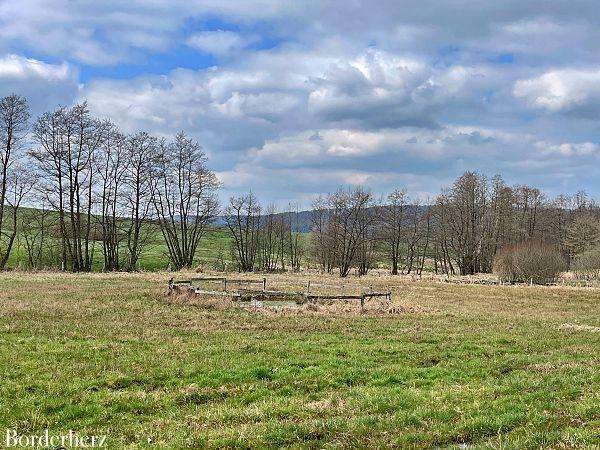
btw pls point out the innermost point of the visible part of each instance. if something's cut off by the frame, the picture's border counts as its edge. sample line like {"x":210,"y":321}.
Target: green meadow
{"x":215,"y":247}
{"x":449,"y":365}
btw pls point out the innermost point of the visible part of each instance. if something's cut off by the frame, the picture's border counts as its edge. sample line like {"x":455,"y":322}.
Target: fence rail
{"x":299,"y":297}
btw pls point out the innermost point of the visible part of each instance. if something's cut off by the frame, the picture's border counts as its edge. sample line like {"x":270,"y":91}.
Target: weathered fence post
{"x":264,"y":284}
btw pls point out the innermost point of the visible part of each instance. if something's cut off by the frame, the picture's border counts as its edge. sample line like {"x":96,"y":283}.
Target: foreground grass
{"x":489,"y":366}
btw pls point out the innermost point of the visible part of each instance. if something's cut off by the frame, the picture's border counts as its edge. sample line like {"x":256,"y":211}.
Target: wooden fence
{"x":264,"y":294}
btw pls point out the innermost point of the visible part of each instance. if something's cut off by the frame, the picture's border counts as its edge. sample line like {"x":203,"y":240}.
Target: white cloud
{"x":109,"y":32}
{"x":335,"y":145}
{"x":44,"y":85}
{"x":264,"y":105}
{"x":562,"y":90}
{"x":333,"y":114}
{"x":17,"y":67}
{"x":96,"y":33}
{"x":262,"y":98}
{"x":219,"y":42}
{"x":569,"y":149}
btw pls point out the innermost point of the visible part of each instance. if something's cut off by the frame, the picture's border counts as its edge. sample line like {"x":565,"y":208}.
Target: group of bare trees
{"x":97,"y":189}
{"x":70,"y":141}
{"x":183,"y":193}
{"x":461,"y":231}
{"x":352,"y":229}
{"x":263,"y":240}
{"x":344,"y":230}
{"x":475,"y":218}
{"x":80,"y":186}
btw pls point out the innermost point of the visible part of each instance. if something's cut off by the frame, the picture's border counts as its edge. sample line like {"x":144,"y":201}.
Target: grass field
{"x":153,"y":258}
{"x":486,"y":366}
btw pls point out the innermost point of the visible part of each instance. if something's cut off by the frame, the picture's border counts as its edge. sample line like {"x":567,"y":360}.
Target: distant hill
{"x":302,"y":220}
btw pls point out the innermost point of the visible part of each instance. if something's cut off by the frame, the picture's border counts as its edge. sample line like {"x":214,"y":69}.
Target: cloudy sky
{"x":293,"y":98}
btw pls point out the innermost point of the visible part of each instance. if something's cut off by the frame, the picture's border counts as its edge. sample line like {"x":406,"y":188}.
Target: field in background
{"x":493,"y":366}
{"x":215,"y":245}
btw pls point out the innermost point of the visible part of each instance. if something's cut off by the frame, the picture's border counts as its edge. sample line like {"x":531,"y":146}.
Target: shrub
{"x":529,"y":262}
{"x":587,"y":265}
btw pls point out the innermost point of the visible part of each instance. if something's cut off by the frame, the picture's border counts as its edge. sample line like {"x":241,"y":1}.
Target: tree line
{"x":97,"y":189}
{"x":90,"y":183}
{"x":459,"y":232}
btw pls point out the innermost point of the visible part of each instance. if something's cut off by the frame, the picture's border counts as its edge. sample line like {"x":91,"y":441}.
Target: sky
{"x":295,"y":98}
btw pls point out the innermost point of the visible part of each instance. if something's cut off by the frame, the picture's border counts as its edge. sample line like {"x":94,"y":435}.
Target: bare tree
{"x":268,"y":242}
{"x":464,"y":208}
{"x":87,"y":136}
{"x":50,"y":161}
{"x":184,"y":197}
{"x":352,"y":215}
{"x":243,"y":219}
{"x":19,"y":184}
{"x":427,"y":225}
{"x":413,"y":234}
{"x":295,"y":244}
{"x":441,"y":234}
{"x":367,"y":249}
{"x":103,"y":186}
{"x":582,"y":234}
{"x":68,"y":140}
{"x":141,"y":148}
{"x":323,"y":240}
{"x":393,"y":227}
{"x":500,"y":229}
{"x":36,"y":228}
{"x":475,"y":219}
{"x":14,"y":116}
{"x":111,"y":166}
{"x":281,"y":227}
{"x":529,"y":204}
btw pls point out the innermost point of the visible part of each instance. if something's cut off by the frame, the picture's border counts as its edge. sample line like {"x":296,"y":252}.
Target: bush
{"x":587,"y":265}
{"x":529,"y":262}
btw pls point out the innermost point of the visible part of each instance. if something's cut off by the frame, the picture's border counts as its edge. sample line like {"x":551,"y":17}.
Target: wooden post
{"x":362,"y":302}
{"x":264,"y":284}
{"x":308,"y":287}
{"x":225,"y":284}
